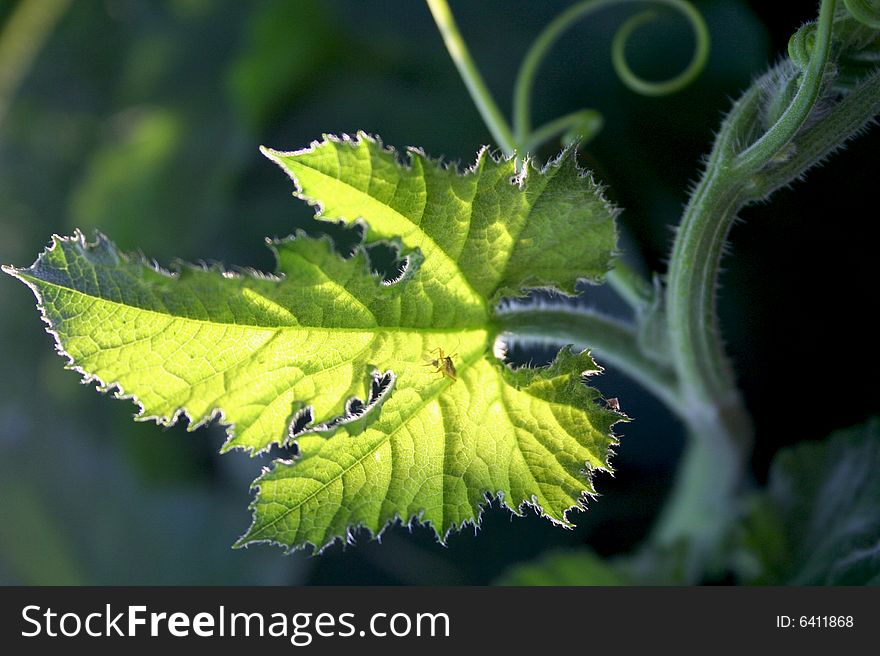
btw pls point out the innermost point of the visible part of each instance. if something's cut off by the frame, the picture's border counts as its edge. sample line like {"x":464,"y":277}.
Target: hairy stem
{"x":630,"y":285}
{"x":614,"y":341}
{"x":851,"y":115}
{"x":744,"y":166}
{"x":720,"y":429}
{"x":782,"y":132}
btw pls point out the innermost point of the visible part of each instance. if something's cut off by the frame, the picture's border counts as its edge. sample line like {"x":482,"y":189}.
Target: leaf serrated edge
{"x":179,"y":269}
{"x":348,"y":538}
{"x":517,"y":179}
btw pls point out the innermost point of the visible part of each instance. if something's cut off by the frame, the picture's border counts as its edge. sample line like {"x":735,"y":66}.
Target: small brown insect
{"x":443,"y":363}
{"x":613,"y":404}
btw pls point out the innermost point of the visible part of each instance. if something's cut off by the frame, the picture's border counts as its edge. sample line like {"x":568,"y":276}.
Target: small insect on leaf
{"x":613,"y":404}
{"x":443,"y":364}
{"x":283,"y":358}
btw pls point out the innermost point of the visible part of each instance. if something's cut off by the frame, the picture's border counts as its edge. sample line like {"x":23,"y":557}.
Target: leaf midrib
{"x":333,"y":329}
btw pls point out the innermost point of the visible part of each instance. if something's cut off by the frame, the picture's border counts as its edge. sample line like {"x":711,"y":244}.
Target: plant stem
{"x":697,"y":514}
{"x":815,"y":143}
{"x":791,"y":121}
{"x":613,"y":340}
{"x":492,"y":116}
{"x":629,"y":285}
{"x":589,"y":118}
{"x":720,"y":429}
{"x":700,"y":387}
{"x":701,"y":505}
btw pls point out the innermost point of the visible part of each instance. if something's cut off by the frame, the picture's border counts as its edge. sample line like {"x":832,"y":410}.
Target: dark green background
{"x":142,"y":119}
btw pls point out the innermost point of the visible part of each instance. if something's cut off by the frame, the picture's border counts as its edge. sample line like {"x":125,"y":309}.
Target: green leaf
{"x":818,"y":523}
{"x":327,"y":355}
{"x":491,"y":230}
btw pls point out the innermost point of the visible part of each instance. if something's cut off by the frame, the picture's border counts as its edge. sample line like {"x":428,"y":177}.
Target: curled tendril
{"x":867,"y":12}
{"x":857,"y":43}
{"x":801,"y":44}
{"x":664,"y":87}
{"x":535,"y":56}
{"x":799,"y":110}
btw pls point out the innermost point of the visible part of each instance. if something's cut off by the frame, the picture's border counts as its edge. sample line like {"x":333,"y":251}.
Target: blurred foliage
{"x":75,"y":513}
{"x":286,"y":47}
{"x":818,"y":523}
{"x":142,"y":118}
{"x":565,"y":568}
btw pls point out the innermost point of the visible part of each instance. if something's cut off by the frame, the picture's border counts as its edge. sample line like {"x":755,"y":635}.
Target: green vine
{"x":550,"y":35}
{"x":587,"y":122}
{"x":458,"y":51}
{"x":787,"y":121}
{"x":375,"y":381}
